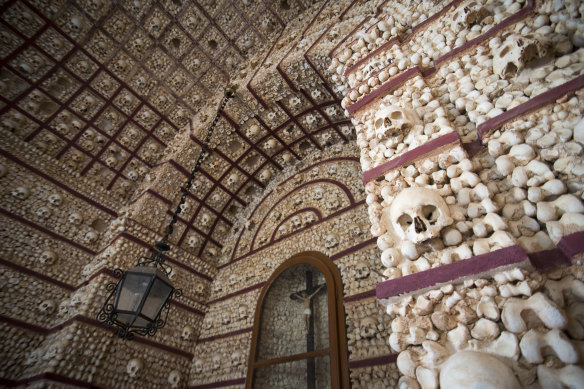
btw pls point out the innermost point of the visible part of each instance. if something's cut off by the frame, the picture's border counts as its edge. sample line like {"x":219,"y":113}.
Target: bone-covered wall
{"x":468,"y":122}
{"x":431,"y":149}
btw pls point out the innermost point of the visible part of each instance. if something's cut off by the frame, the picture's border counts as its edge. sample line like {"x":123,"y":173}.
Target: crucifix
{"x":305,"y":296}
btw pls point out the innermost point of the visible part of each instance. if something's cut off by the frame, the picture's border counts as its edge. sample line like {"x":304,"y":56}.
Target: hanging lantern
{"x":139,"y":302}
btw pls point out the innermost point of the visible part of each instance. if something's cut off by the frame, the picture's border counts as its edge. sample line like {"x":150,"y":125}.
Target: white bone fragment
{"x":539,"y":304}
{"x":533,"y":342}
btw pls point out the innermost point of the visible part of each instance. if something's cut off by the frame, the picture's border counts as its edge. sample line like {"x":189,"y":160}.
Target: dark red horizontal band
{"x":410,"y":156}
{"x":486,"y":128}
{"x":220,"y":384}
{"x":225,"y":335}
{"x":513,"y":255}
{"x":374,"y":361}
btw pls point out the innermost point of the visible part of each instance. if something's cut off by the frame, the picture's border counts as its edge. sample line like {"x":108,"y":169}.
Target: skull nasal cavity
{"x":419,"y":225}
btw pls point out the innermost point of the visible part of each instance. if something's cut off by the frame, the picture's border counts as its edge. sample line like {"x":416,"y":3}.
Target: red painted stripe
{"x":57,"y":183}
{"x":486,"y":128}
{"x":86,"y":320}
{"x":374,"y":361}
{"x":513,"y":255}
{"x":220,"y":384}
{"x":410,"y":156}
{"x":225,"y":335}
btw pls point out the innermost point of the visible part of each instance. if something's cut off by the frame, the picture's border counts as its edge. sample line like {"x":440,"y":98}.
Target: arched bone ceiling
{"x":122,"y":92}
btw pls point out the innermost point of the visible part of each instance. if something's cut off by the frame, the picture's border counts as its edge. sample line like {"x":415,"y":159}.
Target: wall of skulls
{"x":468,"y":121}
{"x":222,"y":351}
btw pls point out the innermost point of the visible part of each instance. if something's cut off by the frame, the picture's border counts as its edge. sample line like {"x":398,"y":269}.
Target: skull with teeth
{"x":392,"y":121}
{"x":417,"y":214}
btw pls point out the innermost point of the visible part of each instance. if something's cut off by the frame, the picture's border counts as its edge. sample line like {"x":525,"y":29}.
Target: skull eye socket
{"x":430,"y":213}
{"x":396,"y":115}
{"x":405,"y":221}
{"x":378,"y":123}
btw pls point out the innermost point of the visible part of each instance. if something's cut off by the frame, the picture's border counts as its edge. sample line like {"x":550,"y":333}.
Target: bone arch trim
{"x":337,"y":335}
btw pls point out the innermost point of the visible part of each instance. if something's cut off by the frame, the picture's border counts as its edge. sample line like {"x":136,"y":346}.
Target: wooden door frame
{"x":339,"y":363}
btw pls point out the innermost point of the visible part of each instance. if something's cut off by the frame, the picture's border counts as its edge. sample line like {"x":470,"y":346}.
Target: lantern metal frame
{"x":108,"y":314}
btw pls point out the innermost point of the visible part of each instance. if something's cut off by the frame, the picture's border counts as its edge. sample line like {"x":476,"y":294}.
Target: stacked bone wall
{"x":468,"y":123}
{"x":96,"y":104}
{"x":318,"y":206}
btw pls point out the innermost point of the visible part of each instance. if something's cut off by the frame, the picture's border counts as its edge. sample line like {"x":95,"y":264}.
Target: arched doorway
{"x":298,"y":338}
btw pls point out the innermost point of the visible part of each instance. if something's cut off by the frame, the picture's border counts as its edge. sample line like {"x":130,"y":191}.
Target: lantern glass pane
{"x":156,"y":298}
{"x":133,"y":290}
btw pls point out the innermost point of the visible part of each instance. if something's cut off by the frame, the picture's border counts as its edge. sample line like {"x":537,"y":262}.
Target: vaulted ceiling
{"x":112,"y":89}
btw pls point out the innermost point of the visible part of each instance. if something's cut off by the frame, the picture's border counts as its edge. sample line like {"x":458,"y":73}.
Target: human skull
{"x":205,"y":219}
{"x":417,"y":214}
{"x":133,"y":175}
{"x":243,"y":311}
{"x":174,"y":378}
{"x":21,"y":193}
{"x":270,"y":144}
{"x":75,"y":219}
{"x":265,"y":174}
{"x":232,"y":179}
{"x":43,"y":212}
{"x":55,"y":199}
{"x":355,"y":231}
{"x":187,"y":333}
{"x":48,"y":257}
{"x":392,"y":121}
{"x":361,"y":270}
{"x":295,"y":222}
{"x":90,"y":237}
{"x":332,"y":203}
{"x":252,"y":131}
{"x":483,"y":370}
{"x":516,"y":52}
{"x":318,"y":193}
{"x":216,"y":362}
{"x":47,"y":307}
{"x":198,"y":366}
{"x":331,"y":241}
{"x":308,"y":219}
{"x":193,"y":241}
{"x":283,"y":229}
{"x":134,"y":366}
{"x":368,"y":327}
{"x":236,"y":358}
